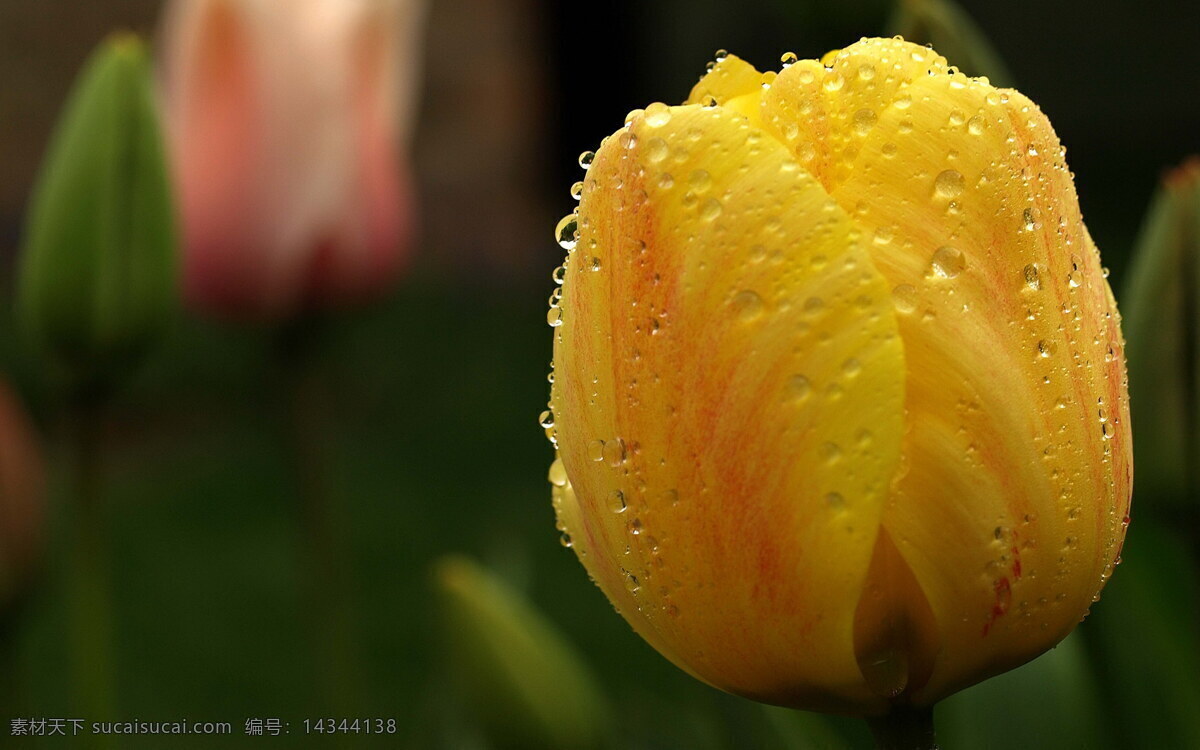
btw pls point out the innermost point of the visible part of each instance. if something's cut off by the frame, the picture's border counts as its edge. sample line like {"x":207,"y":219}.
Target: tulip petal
{"x":728,"y":406}
{"x":824,"y":110}
{"x":730,"y":77}
{"x":1015,"y":478}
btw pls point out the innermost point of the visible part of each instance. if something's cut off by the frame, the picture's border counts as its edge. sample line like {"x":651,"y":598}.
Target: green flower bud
{"x":528,"y":685}
{"x":97,"y":278}
{"x":1162,"y":325}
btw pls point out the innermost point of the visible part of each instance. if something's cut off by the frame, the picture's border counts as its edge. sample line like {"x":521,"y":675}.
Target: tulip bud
{"x":531,"y":687}
{"x":96,"y":282}
{"x":1162,"y":316}
{"x":839,"y":394}
{"x":286,"y":122}
{"x":22,"y":511}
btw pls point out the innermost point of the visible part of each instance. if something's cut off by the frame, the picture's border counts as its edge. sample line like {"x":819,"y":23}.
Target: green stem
{"x":327,"y":578}
{"x":904,"y":728}
{"x":88,"y":578}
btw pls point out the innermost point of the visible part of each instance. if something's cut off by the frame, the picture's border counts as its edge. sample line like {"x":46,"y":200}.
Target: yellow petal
{"x":1010,"y":503}
{"x":729,"y":78}
{"x":728,"y":406}
{"x":824,"y":110}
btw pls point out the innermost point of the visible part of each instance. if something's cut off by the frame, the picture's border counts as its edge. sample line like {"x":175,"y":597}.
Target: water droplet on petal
{"x":747,"y":305}
{"x":798,"y":388}
{"x":1032,"y":279}
{"x":904,"y":297}
{"x":558,"y":473}
{"x":595,"y":450}
{"x":567,"y":232}
{"x":949,"y":184}
{"x":947,"y":262}
{"x":657,"y":115}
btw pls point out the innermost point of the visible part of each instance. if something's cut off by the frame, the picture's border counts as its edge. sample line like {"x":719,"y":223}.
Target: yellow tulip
{"x":839,"y":401}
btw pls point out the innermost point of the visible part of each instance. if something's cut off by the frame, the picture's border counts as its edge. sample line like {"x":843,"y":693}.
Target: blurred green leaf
{"x":1145,"y":634}
{"x":96,"y":282}
{"x":1053,"y":702}
{"x":803,"y":730}
{"x":953,"y":33}
{"x":528,"y":684}
{"x":1162,"y":333}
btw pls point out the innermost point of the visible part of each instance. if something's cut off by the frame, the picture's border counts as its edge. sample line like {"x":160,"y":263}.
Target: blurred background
{"x":432,"y":393}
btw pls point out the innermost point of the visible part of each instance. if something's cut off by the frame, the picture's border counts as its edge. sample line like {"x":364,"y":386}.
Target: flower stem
{"x":326,"y":577}
{"x":904,"y":728}
{"x":89,"y":595}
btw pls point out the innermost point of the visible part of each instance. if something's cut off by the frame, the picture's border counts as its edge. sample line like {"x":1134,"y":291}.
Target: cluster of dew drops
{"x":566,"y":234}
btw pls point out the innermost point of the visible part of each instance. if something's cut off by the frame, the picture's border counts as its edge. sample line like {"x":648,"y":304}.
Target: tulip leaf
{"x":1162,"y":323}
{"x":953,"y":33}
{"x":1052,"y":702}
{"x":97,"y":274}
{"x":1145,"y":633}
{"x":529,"y":686}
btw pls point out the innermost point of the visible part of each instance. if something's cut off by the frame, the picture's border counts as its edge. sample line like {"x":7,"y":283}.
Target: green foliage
{"x":529,"y":685}
{"x":1053,"y":702}
{"x":1145,"y":639}
{"x":1161,"y":307}
{"x":953,"y":33}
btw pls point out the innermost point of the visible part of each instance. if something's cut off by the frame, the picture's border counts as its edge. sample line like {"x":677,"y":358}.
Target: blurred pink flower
{"x":22,"y":498}
{"x":288,"y":124}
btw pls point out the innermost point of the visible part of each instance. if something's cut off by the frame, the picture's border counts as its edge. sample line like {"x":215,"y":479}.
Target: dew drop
{"x":947,"y":262}
{"x":656,"y":150}
{"x":546,"y":419}
{"x":558,"y":473}
{"x":710,"y":209}
{"x":658,"y":114}
{"x":798,"y":388}
{"x":949,"y":184}
{"x":700,"y":181}
{"x":831,"y":453}
{"x":1030,"y":218}
{"x":567,"y":232}
{"x":747,"y":305}
{"x":835,"y":500}
{"x":595,"y":450}
{"x":585,"y":159}
{"x":616,"y":501}
{"x":554,"y":317}
{"x":1032,"y":279}
{"x":864,"y":120}
{"x":788,"y":59}
{"x":577,"y":190}
{"x":1046,"y":348}
{"x":904,"y":297}
{"x":614,"y":452}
